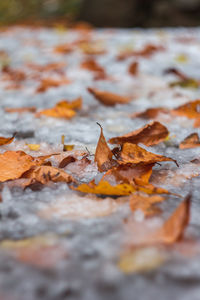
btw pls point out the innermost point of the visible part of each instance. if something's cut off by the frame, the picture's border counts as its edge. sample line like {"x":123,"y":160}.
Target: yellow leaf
{"x":34,"y":147}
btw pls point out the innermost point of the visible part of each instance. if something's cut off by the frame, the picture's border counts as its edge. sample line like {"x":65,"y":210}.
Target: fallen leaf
{"x":145,"y":203}
{"x":189,"y":83}
{"x":126,"y":173}
{"x":66,"y":161}
{"x":47,"y":83}
{"x":63,"y":49}
{"x":46,"y":174}
{"x":150,"y":113}
{"x":103,"y":155}
{"x":191,"y":110}
{"x":191,"y":141}
{"x":34,"y":147}
{"x":132,"y":153}
{"x":20,"y":110}
{"x":107,"y":98}
{"x":149,"y":135}
{"x":91,"y":65}
{"x":6,"y":141}
{"x":14,"y":163}
{"x":63,"y":109}
{"x":176,"y":72}
{"x":133,"y":68}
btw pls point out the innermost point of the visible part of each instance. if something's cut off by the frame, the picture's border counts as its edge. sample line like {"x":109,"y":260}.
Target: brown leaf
{"x":126,"y":173}
{"x":147,"y":51}
{"x":20,"y":109}
{"x":145,"y":203}
{"x":91,"y":65}
{"x":14,"y":163}
{"x":47,"y":83}
{"x":134,"y":154}
{"x":176,"y":72}
{"x":46,"y":174}
{"x":66,"y":161}
{"x":103,"y":155}
{"x":191,"y":141}
{"x":191,"y":110}
{"x":149,"y":135}
{"x":63,"y":49}
{"x":107,"y":98}
{"x":6,"y":141}
{"x":133,"y":68}
{"x":150,"y":113}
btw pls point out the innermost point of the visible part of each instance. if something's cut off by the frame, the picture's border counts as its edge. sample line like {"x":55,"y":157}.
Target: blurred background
{"x":103,"y":13}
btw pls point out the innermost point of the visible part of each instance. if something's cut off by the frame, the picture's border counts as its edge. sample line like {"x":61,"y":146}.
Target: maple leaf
{"x":6,"y":141}
{"x":150,"y":113}
{"x":133,"y":68}
{"x":132,"y":153}
{"x":107,"y":98}
{"x":14,"y":163}
{"x":103,"y":155}
{"x":149,"y":135}
{"x":145,"y":203}
{"x":191,"y":141}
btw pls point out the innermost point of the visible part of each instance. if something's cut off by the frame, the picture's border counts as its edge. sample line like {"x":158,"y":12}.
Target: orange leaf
{"x":191,"y":110}
{"x":63,"y":49}
{"x":145,"y":203}
{"x":134,"y":154}
{"x":75,"y":104}
{"x":107,"y":98}
{"x":6,"y":141}
{"x":20,"y":109}
{"x":14,"y":164}
{"x":103,"y":154}
{"x":149,"y":135}
{"x":92,"y":65}
{"x":191,"y":141}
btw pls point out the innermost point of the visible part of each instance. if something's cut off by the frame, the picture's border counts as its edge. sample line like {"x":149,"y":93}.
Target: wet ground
{"x":58,"y":244}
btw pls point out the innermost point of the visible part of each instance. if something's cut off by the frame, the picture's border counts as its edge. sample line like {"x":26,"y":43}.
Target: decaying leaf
{"x":191,"y":141}
{"x":132,"y":153}
{"x":187,"y":83}
{"x":107,"y":98}
{"x":149,"y":135}
{"x":20,"y":110}
{"x":191,"y":110}
{"x":103,"y":155}
{"x":150,"y":113}
{"x":176,"y":72}
{"x":63,"y":109}
{"x":145,"y":203}
{"x":34,"y":147}
{"x":6,"y":141}
{"x":66,"y":161}
{"x":14,"y":163}
{"x":46,"y":174}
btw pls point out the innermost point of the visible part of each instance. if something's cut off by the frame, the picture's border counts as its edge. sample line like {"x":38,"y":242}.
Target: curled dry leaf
{"x":46,"y":174}
{"x":191,"y":141}
{"x":20,"y":110}
{"x":150,"y":113}
{"x":66,"y":161}
{"x":176,"y":72}
{"x":132,"y":153}
{"x":149,"y":135}
{"x":14,"y":163}
{"x":63,"y":109}
{"x":107,"y":98}
{"x":103,"y":155}
{"x":6,"y":141}
{"x":191,"y":110}
{"x":47,"y":83}
{"x":145,"y":203}
{"x":133,"y":68}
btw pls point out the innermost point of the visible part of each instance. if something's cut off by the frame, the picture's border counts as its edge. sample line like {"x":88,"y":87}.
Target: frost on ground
{"x":56,"y":243}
